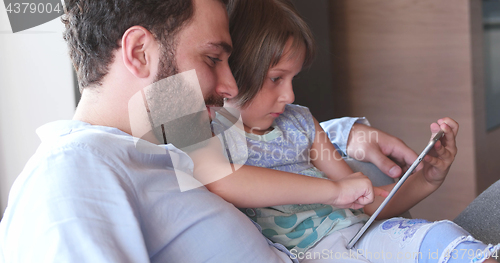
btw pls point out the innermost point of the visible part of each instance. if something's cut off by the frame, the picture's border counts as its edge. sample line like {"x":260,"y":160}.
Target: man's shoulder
{"x":73,"y":132}
{"x":82,"y":150}
{"x":73,"y":186}
{"x":75,"y":152}
{"x":81,"y":161}
{"x":74,"y":139}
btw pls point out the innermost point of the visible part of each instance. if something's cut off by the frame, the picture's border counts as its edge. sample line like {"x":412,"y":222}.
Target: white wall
{"x":36,"y":87}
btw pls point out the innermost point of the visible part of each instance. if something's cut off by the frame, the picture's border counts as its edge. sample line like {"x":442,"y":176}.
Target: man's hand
{"x":387,"y":152}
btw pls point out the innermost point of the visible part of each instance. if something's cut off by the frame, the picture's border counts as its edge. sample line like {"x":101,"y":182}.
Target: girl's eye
{"x":214,"y":60}
{"x":275,"y":79}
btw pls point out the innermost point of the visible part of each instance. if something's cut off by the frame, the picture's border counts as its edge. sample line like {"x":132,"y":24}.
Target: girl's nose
{"x":287,"y":96}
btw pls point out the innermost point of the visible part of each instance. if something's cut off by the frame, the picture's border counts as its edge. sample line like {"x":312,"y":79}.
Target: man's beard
{"x":167,"y":67}
{"x":215,"y":101}
{"x":176,"y":112}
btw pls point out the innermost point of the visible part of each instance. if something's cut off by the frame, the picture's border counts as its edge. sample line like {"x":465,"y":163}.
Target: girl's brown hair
{"x":260,"y":30}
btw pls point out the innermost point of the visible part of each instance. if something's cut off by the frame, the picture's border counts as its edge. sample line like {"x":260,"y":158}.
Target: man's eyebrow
{"x":222,"y":45}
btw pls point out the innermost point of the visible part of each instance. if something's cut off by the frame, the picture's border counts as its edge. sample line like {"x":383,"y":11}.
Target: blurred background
{"x":403,"y":64}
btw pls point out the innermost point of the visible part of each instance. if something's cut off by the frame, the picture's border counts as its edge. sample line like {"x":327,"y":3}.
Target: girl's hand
{"x":437,"y":163}
{"x":355,"y":191}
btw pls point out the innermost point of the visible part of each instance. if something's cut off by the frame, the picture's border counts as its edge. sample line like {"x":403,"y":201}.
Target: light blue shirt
{"x":88,"y":195}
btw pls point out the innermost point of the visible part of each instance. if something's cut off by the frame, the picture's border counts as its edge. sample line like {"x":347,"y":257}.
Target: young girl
{"x":311,"y":216}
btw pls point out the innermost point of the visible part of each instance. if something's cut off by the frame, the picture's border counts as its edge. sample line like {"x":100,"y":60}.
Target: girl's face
{"x":277,"y":91}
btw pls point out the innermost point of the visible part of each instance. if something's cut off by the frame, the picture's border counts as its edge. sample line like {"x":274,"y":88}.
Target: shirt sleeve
{"x":338,"y":130}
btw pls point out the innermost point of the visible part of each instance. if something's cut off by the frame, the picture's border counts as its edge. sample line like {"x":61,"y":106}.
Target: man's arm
{"x":364,"y":143}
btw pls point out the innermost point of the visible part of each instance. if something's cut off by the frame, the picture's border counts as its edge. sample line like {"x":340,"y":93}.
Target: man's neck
{"x":98,"y":108}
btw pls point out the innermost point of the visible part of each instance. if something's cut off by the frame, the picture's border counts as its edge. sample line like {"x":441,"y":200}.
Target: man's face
{"x":205,"y":45}
{"x":192,"y":77}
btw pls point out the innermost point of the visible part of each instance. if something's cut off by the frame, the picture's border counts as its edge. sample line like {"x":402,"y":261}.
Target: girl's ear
{"x":139,"y":48}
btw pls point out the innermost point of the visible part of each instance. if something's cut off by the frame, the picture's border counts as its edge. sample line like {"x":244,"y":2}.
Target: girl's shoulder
{"x":296,"y":117}
{"x":297,"y":111}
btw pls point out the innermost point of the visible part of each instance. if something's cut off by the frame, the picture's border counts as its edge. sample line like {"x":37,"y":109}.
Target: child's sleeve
{"x":338,"y":130}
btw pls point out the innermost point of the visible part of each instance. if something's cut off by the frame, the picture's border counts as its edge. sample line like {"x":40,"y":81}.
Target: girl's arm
{"x":424,"y":182}
{"x":326,"y":157}
{"x":251,"y":186}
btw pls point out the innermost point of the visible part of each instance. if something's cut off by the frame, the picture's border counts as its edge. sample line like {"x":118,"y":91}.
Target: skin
{"x":136,"y":66}
{"x":259,"y":187}
{"x":277,"y":91}
{"x":204,"y":44}
{"x":269,"y":103}
{"x":377,"y":145}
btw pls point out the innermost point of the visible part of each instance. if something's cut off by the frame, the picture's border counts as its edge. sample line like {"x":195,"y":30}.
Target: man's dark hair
{"x":94,"y":29}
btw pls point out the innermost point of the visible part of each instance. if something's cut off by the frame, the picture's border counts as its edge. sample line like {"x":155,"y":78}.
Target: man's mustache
{"x":215,"y":100}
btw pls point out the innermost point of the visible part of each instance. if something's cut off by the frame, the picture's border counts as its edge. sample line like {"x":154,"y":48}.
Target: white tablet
{"x":395,"y":189}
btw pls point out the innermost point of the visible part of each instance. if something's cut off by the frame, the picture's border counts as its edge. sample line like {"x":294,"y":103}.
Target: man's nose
{"x":226,"y":84}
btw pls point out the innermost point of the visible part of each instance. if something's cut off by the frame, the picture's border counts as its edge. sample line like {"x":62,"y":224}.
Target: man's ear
{"x":139,"y":50}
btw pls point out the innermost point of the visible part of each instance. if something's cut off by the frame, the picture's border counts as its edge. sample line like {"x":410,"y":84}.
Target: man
{"x":90,"y":195}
